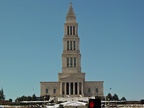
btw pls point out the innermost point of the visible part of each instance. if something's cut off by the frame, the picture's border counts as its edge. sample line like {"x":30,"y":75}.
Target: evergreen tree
{"x":115,"y":97}
{"x":33,"y":97}
{"x":10,"y":100}
{"x":109,"y":96}
{"x":2,"y":96}
{"x":123,"y":98}
{"x":26,"y":98}
{"x":29,"y":98}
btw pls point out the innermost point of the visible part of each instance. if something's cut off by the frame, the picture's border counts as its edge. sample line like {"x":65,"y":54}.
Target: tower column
{"x":72,"y":45}
{"x":73,"y":88}
{"x":69,"y":88}
{"x":69,"y":45}
{"x":65,"y":30}
{"x":72,"y":29}
{"x":65,"y":88}
{"x":76,"y":45}
{"x":78,"y":88}
{"x":61,"y":89}
{"x":82,"y":89}
{"x":75,"y":31}
{"x":69,"y":62}
{"x":69,"y":30}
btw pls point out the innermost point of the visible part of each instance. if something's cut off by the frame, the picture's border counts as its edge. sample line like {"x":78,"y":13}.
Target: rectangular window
{"x":54,"y":90}
{"x":67,"y":45}
{"x":46,"y":90}
{"x":74,"y":45}
{"x":89,"y":90}
{"x":70,"y":30}
{"x":67,"y":30}
{"x":73,"y":30}
{"x":67,"y":62}
{"x":74,"y":61}
{"x":96,"y":90}
{"x":71,"y":62}
{"x":70,"y":45}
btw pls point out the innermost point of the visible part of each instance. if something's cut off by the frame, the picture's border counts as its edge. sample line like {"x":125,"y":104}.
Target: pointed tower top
{"x":70,"y":12}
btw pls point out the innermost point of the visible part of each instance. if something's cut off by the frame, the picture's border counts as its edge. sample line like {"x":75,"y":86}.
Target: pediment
{"x":71,"y":78}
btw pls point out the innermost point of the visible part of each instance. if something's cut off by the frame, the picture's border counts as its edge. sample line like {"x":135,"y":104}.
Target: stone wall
{"x":50,"y":86}
{"x":93,"y":85}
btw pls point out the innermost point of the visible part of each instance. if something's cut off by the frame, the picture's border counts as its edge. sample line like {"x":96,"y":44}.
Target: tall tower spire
{"x":71,"y":57}
{"x":70,"y":11}
{"x":70,"y":14}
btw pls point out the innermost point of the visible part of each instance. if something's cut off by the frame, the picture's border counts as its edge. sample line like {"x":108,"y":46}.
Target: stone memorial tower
{"x":71,"y":81}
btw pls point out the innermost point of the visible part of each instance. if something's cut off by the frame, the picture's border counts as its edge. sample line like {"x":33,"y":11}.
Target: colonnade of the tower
{"x":71,"y":29}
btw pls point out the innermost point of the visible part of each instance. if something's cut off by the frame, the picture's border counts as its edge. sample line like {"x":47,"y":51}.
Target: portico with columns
{"x":72,"y":88}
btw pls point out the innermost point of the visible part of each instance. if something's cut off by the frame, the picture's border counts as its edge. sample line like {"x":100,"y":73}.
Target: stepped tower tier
{"x":71,"y":57}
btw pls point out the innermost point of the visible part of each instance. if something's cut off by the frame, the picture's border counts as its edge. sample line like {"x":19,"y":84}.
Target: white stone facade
{"x":71,"y":81}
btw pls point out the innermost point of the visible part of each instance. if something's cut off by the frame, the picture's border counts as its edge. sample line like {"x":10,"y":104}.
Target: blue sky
{"x":111,"y":41}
